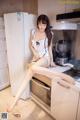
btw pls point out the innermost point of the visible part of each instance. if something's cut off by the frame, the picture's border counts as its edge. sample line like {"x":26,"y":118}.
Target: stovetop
{"x":73,"y":74}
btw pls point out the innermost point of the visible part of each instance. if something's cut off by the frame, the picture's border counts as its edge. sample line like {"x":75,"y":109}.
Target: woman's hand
{"x":52,"y":64}
{"x":35,"y":58}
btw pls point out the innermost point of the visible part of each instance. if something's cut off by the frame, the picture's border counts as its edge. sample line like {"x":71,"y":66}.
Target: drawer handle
{"x":48,"y":88}
{"x":63,"y":84}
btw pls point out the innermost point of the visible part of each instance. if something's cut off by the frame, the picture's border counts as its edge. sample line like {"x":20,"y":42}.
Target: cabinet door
{"x":4,"y":78}
{"x":64,"y":102}
{"x":78,"y":114}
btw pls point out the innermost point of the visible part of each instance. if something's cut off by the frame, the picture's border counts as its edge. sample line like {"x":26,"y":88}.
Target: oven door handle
{"x":43,"y":86}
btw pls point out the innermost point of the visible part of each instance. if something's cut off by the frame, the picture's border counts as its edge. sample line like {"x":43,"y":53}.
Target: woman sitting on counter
{"x":41,"y":46}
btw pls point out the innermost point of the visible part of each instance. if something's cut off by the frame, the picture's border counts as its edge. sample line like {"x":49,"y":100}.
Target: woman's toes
{"x":17,"y":114}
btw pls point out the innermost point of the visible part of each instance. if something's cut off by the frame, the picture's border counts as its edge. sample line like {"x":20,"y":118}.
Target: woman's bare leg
{"x":52,"y":74}
{"x":21,"y":89}
{"x":38,"y":68}
{"x":29,"y":73}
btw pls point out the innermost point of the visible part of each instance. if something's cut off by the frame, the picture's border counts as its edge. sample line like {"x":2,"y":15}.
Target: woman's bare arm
{"x":50,"y":53}
{"x":35,"y":53}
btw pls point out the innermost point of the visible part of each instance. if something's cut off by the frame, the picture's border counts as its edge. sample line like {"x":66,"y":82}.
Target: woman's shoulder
{"x":33,"y":31}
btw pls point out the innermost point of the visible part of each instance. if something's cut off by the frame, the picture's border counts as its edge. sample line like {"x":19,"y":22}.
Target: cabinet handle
{"x":63,"y":84}
{"x":43,"y":86}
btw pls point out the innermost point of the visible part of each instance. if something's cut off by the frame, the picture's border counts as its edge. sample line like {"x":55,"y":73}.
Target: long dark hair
{"x":45,"y":20}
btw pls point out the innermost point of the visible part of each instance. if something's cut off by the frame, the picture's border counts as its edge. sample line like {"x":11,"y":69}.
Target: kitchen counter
{"x":47,"y":80}
{"x":62,"y":99}
{"x":60,"y":68}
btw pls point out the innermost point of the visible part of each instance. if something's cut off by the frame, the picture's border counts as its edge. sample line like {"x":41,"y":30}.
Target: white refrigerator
{"x":17,"y":29}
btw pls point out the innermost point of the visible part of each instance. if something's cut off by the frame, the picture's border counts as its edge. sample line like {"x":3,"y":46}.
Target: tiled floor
{"x":28,"y":109}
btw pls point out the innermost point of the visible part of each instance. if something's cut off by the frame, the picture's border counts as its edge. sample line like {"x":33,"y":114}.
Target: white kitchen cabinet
{"x":3,"y":60}
{"x":4,"y":78}
{"x":64,"y":102}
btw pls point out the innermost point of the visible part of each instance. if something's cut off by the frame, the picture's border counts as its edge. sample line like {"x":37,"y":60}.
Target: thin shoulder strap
{"x":45,"y":45}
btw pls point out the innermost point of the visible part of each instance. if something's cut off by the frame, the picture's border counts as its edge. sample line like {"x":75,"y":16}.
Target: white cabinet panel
{"x":4,"y":78}
{"x":2,"y":45}
{"x":63,"y":102}
{"x":4,"y":74}
{"x":2,"y":32}
{"x":3,"y":60}
{"x":1,"y":21}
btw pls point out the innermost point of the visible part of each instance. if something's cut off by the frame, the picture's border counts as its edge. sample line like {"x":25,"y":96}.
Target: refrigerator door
{"x":16,"y":34}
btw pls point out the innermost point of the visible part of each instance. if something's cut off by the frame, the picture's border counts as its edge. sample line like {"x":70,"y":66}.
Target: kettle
{"x":62,"y":49}
{"x":62,"y":46}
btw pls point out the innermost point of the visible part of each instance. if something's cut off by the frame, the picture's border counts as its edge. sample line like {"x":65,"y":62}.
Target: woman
{"x":41,"y":46}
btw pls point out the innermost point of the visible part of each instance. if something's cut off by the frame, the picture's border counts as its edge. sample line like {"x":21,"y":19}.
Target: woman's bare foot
{"x":18,"y":115}
{"x":10,"y":107}
{"x":14,"y":112}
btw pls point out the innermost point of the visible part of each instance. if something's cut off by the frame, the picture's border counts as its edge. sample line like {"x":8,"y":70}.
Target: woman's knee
{"x":31,"y":68}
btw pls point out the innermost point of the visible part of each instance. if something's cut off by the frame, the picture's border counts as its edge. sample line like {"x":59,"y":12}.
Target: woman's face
{"x":41,"y":26}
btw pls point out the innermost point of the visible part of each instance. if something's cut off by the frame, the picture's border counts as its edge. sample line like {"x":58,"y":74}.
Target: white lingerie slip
{"x":41,"y":46}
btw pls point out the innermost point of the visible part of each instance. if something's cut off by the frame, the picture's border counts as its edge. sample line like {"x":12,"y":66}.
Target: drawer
{"x":41,"y":90}
{"x":43,"y":79}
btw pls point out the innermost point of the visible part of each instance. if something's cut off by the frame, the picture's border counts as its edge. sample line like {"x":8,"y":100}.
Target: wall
{"x":53,"y":7}
{"x":30,"y":6}
{"x":50,"y":8}
{"x":77,"y":45}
